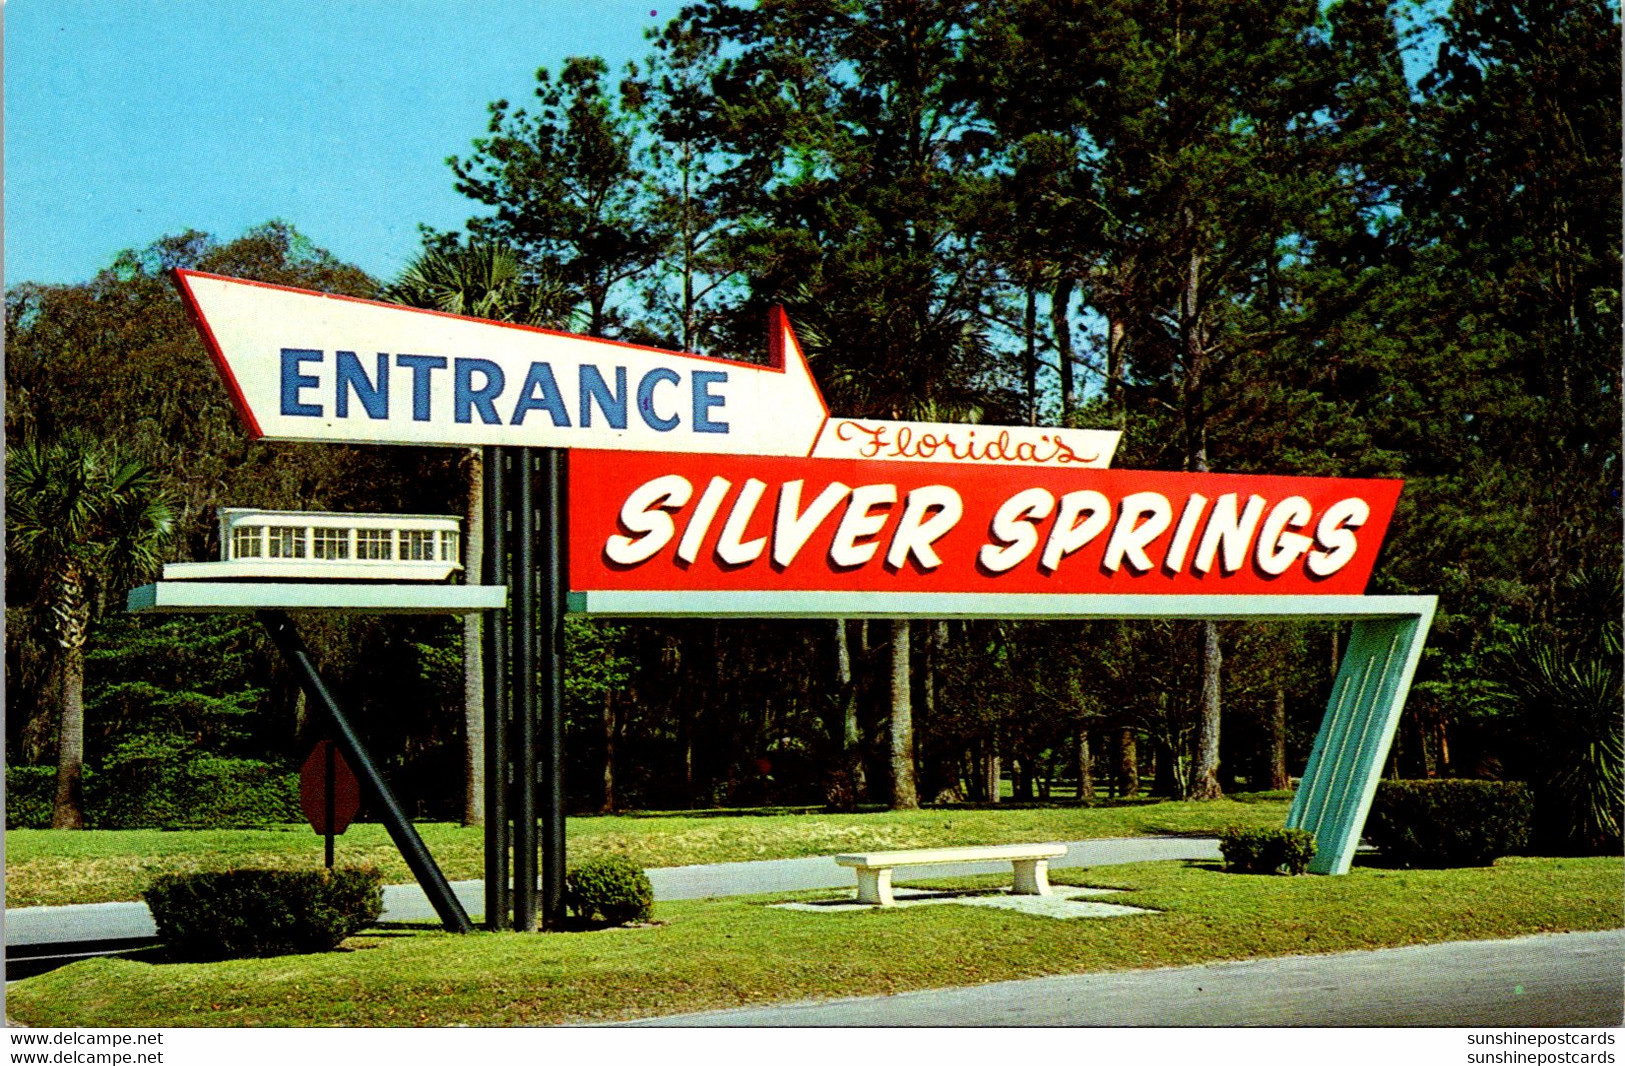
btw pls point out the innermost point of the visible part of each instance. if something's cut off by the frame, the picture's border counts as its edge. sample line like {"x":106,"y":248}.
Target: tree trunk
{"x":851,"y":736}
{"x":991,"y":772}
{"x":1060,"y":313}
{"x":1021,"y":778}
{"x":1205,"y":771}
{"x":1278,"y":775}
{"x":1030,"y":355}
{"x":904,"y":795}
{"x":1165,"y":769}
{"x":71,"y":619}
{"x":1128,"y":763}
{"x":1116,"y":341}
{"x":473,"y":643}
{"x":608,"y":804}
{"x":930,"y":779}
{"x":679,"y":699}
{"x":1085,"y":764}
{"x":68,"y":810}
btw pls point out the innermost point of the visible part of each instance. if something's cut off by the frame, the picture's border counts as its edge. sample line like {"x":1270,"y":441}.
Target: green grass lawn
{"x":725,"y":953}
{"x":46,"y":866}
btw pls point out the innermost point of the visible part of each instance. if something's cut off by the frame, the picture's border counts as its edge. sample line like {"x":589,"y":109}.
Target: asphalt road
{"x":1560,"y":979}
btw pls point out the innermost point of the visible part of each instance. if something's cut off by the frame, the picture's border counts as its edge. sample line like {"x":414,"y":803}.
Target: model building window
{"x":448,"y":547}
{"x":417,"y":544}
{"x":332,"y":543}
{"x":245,"y":542}
{"x":375,"y":544}
{"x":286,"y":542}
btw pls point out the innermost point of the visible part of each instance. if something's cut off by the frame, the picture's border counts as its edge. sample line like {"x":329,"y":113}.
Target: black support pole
{"x":522,"y":603}
{"x":494,"y":657}
{"x":406,"y":839}
{"x":552,"y":578}
{"x":330,"y":756}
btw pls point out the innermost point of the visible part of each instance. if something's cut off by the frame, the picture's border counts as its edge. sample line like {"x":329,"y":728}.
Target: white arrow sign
{"x":307,"y":365}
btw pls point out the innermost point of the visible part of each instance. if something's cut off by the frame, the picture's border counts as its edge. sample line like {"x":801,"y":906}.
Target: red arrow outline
{"x":781,"y":340}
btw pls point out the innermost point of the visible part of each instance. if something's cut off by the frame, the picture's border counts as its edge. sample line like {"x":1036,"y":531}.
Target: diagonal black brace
{"x":406,"y":839}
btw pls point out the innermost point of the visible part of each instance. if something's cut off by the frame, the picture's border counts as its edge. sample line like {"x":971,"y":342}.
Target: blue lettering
{"x":421,"y":366}
{"x":594,"y":387}
{"x":465,"y":398}
{"x":540,"y":391}
{"x":374,"y":397}
{"x":704,"y":401}
{"x":646,"y":403}
{"x":293,"y":381}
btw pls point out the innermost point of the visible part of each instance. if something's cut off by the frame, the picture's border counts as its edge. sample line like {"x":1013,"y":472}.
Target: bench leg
{"x":874,"y":885}
{"x":1032,"y":877}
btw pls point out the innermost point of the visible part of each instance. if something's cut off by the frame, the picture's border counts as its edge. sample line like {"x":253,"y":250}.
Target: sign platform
{"x":1037,"y":606}
{"x":220,"y":597}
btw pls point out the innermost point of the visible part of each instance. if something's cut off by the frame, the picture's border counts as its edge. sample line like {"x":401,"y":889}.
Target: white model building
{"x":324,"y":546}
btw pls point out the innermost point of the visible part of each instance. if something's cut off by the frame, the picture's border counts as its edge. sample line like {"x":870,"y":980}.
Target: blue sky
{"x":129,"y":119}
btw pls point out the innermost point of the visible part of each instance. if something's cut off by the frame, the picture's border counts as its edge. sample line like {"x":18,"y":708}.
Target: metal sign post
{"x":494,"y":660}
{"x":522,"y":605}
{"x":553,"y":590}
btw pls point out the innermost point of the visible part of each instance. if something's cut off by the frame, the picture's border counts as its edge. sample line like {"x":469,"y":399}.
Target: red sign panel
{"x":660,"y":521}
{"x":314,"y":783}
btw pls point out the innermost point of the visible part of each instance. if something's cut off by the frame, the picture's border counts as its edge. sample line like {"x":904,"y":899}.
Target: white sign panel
{"x":311,"y":366}
{"x":943,"y":442}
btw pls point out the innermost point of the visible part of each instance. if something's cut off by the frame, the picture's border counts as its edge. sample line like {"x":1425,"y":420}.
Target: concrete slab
{"x":1065,"y":901}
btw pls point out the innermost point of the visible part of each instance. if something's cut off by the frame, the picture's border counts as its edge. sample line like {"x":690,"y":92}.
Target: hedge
{"x":1450,"y":822}
{"x":206,"y":792}
{"x":30,"y":794}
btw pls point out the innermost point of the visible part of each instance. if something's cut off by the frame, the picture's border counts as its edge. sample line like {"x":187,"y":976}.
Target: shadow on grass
{"x":164,"y":955}
{"x":1377,"y":861}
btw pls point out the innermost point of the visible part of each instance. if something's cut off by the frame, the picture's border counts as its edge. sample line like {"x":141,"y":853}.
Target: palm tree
{"x":82,"y":521}
{"x":1562,"y":693}
{"x":481,"y":281}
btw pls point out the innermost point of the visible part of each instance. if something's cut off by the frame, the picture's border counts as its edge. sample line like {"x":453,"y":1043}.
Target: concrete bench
{"x":1031,"y":862}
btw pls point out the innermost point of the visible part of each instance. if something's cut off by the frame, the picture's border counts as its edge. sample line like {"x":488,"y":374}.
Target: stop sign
{"x":324,"y":762}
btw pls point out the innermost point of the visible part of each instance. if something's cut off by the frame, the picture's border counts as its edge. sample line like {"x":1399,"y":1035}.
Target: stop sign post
{"x":329,"y":793}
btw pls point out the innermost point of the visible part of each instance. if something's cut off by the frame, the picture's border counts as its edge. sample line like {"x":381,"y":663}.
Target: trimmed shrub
{"x":1267,"y":851}
{"x":1450,"y":822}
{"x":609,"y":891}
{"x":241,"y":913}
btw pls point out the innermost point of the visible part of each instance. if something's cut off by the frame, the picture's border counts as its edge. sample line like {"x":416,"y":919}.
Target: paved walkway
{"x":111,"y":921}
{"x":1559,"y":979}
